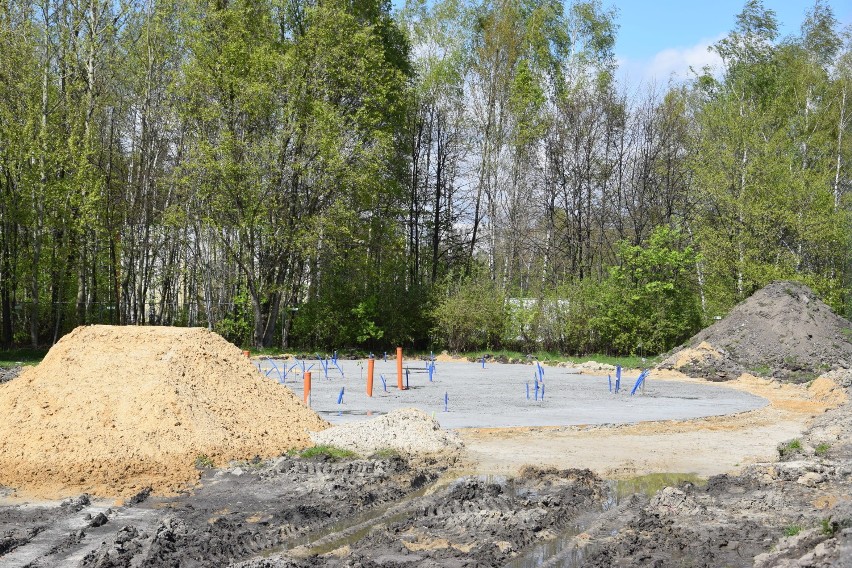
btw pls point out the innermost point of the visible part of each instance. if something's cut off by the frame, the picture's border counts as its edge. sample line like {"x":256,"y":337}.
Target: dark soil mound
{"x":783,"y":331}
{"x":8,"y":373}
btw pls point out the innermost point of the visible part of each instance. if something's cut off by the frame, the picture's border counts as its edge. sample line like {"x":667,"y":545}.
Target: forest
{"x":454,"y":174}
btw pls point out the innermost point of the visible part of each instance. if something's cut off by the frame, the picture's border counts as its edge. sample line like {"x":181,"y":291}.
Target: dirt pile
{"x":783,"y":331}
{"x":9,"y":373}
{"x":112,"y":410}
{"x":408,"y":431}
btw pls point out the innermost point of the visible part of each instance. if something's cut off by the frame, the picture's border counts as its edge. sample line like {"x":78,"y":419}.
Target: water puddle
{"x":564,"y":551}
{"x":560,"y":551}
{"x":647,"y":485}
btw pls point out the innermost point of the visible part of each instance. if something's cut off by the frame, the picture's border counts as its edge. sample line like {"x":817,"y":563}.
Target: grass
{"x":23,"y":356}
{"x":829,"y":527}
{"x":203,"y":461}
{"x":385,"y":453}
{"x":626,"y":361}
{"x":328,"y":451}
{"x":761,"y":370}
{"x":822,"y":449}
{"x":789,"y":448}
{"x":792,"y":530}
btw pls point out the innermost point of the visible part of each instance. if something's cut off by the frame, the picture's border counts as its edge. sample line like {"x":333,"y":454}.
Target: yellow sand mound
{"x":694,"y":355}
{"x":112,"y":410}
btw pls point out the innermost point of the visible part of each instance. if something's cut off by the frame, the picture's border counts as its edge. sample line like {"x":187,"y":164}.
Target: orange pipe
{"x":307,"y":388}
{"x":370,"y":365}
{"x":399,"y":369}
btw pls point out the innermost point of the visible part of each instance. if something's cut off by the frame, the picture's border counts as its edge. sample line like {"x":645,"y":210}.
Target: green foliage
{"x":792,"y":530}
{"x":789,"y":448}
{"x":471,"y":313}
{"x":203,"y":461}
{"x":24,"y":357}
{"x":649,"y":303}
{"x":829,"y":527}
{"x":385,"y":453}
{"x":822,"y":449}
{"x":583,"y":301}
{"x":329,"y":452}
{"x":237,"y":326}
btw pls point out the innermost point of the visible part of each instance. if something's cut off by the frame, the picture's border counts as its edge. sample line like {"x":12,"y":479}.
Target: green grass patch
{"x":386,"y":453}
{"x":14,"y":357}
{"x":829,"y":527}
{"x":792,"y":530}
{"x":790,"y":448}
{"x":761,"y":370}
{"x":203,"y":461}
{"x":626,"y":361}
{"x":328,"y":451}
{"x":822,"y":449}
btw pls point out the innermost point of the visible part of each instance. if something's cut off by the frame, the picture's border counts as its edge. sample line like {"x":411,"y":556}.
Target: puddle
{"x":647,"y":485}
{"x":564,"y":552}
{"x":560,"y":551}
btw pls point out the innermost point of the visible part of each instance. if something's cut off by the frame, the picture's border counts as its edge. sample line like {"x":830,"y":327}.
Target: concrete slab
{"x":496,"y":396}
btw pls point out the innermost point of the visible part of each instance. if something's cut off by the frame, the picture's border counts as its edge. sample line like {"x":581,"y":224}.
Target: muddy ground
{"x":389,"y":511}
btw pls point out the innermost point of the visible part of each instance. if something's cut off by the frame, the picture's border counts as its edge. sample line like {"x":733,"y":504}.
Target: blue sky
{"x":659,"y":37}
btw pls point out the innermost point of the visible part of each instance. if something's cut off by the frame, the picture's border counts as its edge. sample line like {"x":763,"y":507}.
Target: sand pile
{"x":112,"y":410}
{"x":408,"y":431}
{"x":783,"y":331}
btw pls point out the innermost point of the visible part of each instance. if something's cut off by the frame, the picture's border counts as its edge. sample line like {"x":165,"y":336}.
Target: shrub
{"x":472,"y":314}
{"x":649,"y":302}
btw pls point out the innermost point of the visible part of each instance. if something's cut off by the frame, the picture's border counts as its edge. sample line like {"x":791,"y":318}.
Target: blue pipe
{"x":340,"y":396}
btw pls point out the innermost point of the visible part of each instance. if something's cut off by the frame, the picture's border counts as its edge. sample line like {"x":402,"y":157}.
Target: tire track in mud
{"x":257,"y":508}
{"x":474,"y":521}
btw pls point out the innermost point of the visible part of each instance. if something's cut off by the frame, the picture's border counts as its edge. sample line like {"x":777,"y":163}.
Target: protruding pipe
{"x":399,"y":384}
{"x":307,"y":388}
{"x":371,"y":363}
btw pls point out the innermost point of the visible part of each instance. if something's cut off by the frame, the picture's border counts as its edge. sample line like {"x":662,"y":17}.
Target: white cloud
{"x":672,"y":63}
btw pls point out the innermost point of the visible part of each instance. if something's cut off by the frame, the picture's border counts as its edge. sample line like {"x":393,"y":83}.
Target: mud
{"x":295,"y":512}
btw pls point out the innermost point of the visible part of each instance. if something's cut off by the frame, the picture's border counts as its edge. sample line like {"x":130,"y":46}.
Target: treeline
{"x":463,"y":174}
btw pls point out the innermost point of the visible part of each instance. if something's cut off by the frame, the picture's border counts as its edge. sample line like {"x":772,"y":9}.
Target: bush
{"x":238,"y":326}
{"x":471,"y":315}
{"x":649,"y":303}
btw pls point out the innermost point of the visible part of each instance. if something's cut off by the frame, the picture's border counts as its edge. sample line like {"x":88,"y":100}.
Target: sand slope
{"x":112,"y":410}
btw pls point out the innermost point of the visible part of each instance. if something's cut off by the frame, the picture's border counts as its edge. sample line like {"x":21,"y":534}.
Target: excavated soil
{"x":114,"y":410}
{"x":783,"y":331}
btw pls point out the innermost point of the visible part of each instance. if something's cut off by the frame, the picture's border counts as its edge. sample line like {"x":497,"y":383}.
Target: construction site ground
{"x":132,"y":447}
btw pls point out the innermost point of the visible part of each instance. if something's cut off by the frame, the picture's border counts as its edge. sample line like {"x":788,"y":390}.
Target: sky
{"x":658,"y":38}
